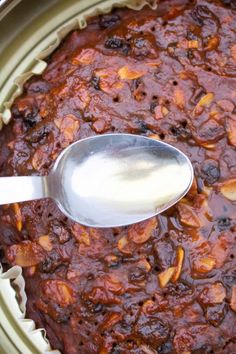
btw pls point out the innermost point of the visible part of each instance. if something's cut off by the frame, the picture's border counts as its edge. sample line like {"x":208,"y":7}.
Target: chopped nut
{"x":165,"y":276}
{"x":213,"y":294}
{"x":188,"y":216}
{"x":205,"y":101}
{"x":124,"y":245}
{"x":193,"y":44}
{"x":179,"y":98}
{"x":141,"y":232}
{"x":213,"y":43}
{"x":45,"y":242}
{"x":204,"y":264}
{"x":233,"y":299}
{"x":130,"y":74}
{"x":231,"y":130}
{"x":59,"y":292}
{"x":233,"y":52}
{"x":179,"y":263}
{"x":18,"y":216}
{"x":228,"y":189}
{"x":154,"y":136}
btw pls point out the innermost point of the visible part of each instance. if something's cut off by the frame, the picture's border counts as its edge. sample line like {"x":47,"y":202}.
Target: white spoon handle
{"x":20,"y":189}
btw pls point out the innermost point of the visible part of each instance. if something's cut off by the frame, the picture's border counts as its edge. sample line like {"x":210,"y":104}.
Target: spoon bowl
{"x":112,"y":180}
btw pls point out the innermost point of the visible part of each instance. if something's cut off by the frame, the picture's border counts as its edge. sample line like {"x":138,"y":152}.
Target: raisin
{"x":114,"y":43}
{"x":224,"y":223}
{"x":179,"y":290}
{"x":210,"y":171}
{"x":51,"y":263}
{"x":215,"y":314}
{"x":137,"y":274}
{"x":152,"y":330}
{"x":180,"y":132}
{"x":199,"y":14}
{"x":95,"y":80}
{"x":39,"y":134}
{"x":164,"y":253}
{"x":165,"y":348}
{"x":39,"y":86}
{"x":94,"y":308}
{"x":109,"y":20}
{"x":191,"y":36}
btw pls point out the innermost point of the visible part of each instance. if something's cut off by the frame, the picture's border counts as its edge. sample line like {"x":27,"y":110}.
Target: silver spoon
{"x":108,"y":180}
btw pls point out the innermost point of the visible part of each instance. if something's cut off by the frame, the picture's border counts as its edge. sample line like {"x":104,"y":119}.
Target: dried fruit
{"x":111,"y":320}
{"x":233,"y":299}
{"x":188,"y":216}
{"x":179,"y":263}
{"x":45,"y":242}
{"x":152,"y":329}
{"x":25,"y":254}
{"x":179,"y":98}
{"x":18,"y":216}
{"x":165,"y":276}
{"x":128,"y":73}
{"x":141,"y":232}
{"x":210,"y":171}
{"x":231,"y":130}
{"x":59,"y":291}
{"x":205,"y":101}
{"x":213,"y":294}
{"x":228,"y":189}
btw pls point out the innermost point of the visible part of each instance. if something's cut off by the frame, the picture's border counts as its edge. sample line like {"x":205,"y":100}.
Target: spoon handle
{"x":20,"y":189}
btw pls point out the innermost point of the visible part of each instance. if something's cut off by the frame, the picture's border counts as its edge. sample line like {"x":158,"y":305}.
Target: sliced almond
{"x":228,"y":189}
{"x":18,"y":216}
{"x":141,"y":232}
{"x":45,"y":242}
{"x":85,"y":57}
{"x":124,"y":245}
{"x":233,"y":52}
{"x":165,"y":276}
{"x":231,"y":130}
{"x":128,"y":73}
{"x":179,"y":263}
{"x":179,"y":98}
{"x":233,"y":299}
{"x":188,"y":216}
{"x":205,"y":101}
